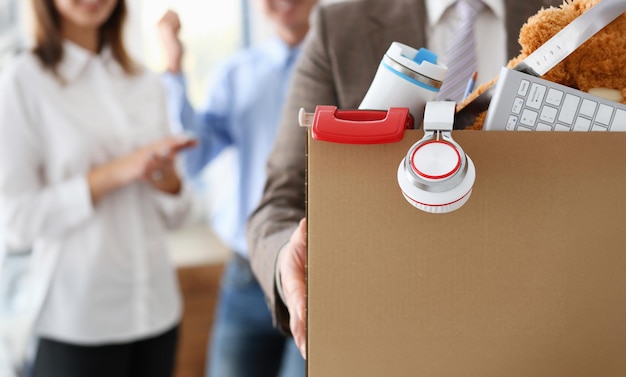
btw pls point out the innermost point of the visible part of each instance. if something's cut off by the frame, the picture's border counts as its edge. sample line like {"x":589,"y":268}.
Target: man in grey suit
{"x":337,"y":64}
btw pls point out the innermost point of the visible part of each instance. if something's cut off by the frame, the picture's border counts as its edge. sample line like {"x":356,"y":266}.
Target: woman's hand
{"x":160,"y":170}
{"x":153,"y":163}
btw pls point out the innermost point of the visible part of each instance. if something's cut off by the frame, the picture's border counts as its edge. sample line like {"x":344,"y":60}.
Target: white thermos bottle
{"x":406,"y":77}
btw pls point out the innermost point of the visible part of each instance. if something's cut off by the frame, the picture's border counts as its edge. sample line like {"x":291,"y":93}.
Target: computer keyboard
{"x":522,"y":102}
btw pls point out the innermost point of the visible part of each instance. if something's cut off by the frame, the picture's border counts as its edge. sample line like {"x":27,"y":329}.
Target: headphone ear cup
{"x":436,"y":176}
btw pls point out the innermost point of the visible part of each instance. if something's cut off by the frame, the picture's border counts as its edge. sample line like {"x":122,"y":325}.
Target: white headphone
{"x":436,"y":176}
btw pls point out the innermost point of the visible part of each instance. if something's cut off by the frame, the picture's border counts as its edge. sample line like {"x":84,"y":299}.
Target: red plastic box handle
{"x":360,"y":126}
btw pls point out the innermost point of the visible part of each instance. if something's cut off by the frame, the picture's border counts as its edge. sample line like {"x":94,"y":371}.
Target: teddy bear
{"x":597,"y":67}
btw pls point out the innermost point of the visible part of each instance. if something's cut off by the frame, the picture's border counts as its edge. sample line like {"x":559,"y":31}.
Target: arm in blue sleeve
{"x":209,"y":125}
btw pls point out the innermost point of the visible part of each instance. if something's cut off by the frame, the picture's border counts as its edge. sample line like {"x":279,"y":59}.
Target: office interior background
{"x":211,"y":31}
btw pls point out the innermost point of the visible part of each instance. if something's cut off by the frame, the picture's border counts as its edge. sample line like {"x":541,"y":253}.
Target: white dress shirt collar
{"x":436,"y":9}
{"x":75,"y":60}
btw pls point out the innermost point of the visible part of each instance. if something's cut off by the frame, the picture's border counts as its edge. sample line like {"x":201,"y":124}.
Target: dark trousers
{"x":151,"y":357}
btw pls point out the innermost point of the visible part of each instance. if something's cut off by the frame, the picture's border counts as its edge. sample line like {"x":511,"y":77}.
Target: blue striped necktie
{"x":460,"y":56}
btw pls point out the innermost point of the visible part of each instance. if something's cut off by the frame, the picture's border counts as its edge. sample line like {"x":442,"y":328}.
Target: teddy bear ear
{"x":583,"y":5}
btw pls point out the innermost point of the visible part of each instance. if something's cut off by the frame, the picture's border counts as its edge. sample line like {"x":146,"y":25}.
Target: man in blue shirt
{"x":242,"y":110}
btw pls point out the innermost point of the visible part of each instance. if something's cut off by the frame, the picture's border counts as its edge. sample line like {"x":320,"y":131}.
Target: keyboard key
{"x":510,"y":124}
{"x":523,"y":88}
{"x":568,"y":111}
{"x":582,"y":124}
{"x":619,"y":122}
{"x":536,"y":96}
{"x":588,"y":108}
{"x":543,"y":127}
{"x":517,"y":105}
{"x":528,"y":118}
{"x":605,"y":112}
{"x":554,"y":97}
{"x":540,"y":105}
{"x":548,"y":114}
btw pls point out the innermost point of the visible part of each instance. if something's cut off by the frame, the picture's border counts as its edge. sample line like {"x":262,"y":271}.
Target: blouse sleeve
{"x":29,"y":207}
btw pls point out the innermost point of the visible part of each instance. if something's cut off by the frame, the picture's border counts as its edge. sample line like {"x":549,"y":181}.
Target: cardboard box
{"x":527,"y":279}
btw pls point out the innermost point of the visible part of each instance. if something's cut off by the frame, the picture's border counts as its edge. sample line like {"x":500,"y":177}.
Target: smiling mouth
{"x":91,"y":4}
{"x":285,"y":5}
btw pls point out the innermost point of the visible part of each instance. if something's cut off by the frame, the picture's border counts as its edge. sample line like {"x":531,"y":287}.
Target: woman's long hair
{"x":49,"y":42}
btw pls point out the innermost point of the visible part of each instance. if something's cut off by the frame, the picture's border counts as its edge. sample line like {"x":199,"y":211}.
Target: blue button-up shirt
{"x":243,"y":111}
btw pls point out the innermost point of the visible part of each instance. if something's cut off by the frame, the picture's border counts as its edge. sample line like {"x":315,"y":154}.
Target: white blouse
{"x":103,"y":272}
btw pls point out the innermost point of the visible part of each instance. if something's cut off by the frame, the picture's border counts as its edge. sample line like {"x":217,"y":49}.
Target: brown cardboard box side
{"x":527,"y":279}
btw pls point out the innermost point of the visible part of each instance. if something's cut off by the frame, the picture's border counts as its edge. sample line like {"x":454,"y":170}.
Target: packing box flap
{"x":527,"y":279}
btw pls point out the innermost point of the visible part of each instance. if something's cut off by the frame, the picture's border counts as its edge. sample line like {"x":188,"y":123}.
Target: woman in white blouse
{"x":87,"y":178}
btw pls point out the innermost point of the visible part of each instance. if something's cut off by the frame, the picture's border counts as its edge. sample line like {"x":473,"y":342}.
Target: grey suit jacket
{"x":339,"y":60}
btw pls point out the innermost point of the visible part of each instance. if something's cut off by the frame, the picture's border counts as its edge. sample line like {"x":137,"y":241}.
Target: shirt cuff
{"x":176,"y":97}
{"x":277,"y":278}
{"x":176,"y":208}
{"x":76,"y":200}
